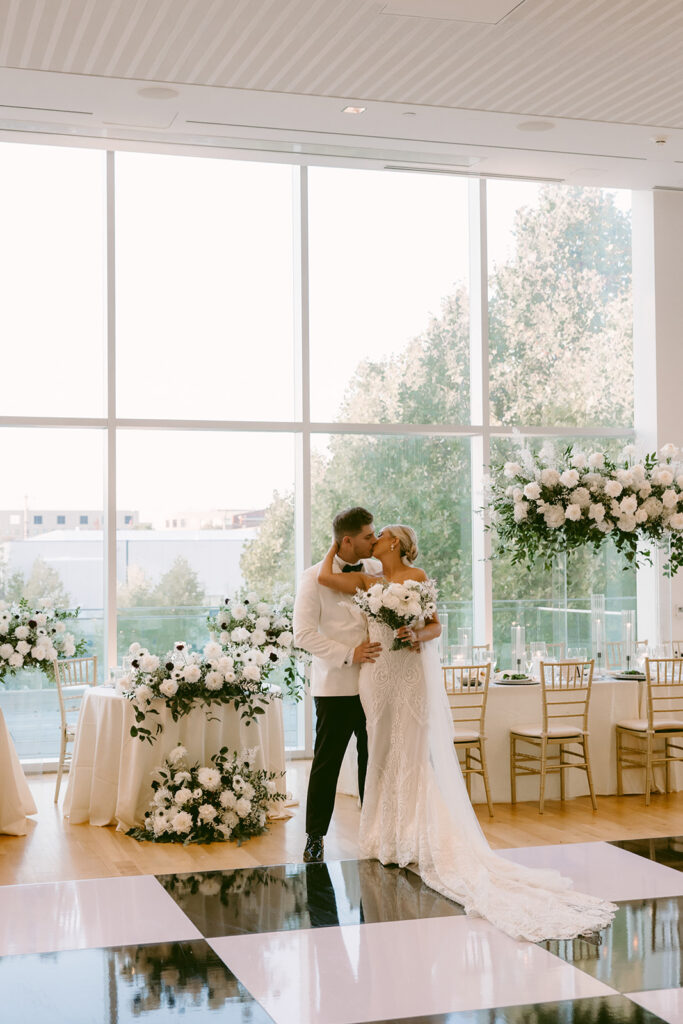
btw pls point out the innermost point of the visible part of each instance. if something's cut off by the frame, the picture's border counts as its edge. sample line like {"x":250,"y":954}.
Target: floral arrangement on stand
{"x":35,"y":637}
{"x":398,"y":604}
{"x":228,"y":799}
{"x":249,"y":621}
{"x":545,"y":504}
{"x":184,"y":679}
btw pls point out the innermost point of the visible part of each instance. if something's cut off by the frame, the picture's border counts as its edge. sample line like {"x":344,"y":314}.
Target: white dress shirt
{"x":328,"y":624}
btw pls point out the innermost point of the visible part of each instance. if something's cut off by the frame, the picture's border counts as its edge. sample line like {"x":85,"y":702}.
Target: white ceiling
{"x":606,"y":75}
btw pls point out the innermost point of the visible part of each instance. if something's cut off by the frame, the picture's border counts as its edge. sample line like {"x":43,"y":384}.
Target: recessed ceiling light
{"x":535,"y":126}
{"x":157,"y":92}
{"x":353,"y":110}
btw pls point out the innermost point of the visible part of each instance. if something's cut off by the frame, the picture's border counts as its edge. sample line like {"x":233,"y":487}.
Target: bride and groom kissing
{"x":416,"y":812}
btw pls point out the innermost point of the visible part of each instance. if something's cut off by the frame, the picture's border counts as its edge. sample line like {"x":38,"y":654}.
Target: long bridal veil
{"x":456,"y":860}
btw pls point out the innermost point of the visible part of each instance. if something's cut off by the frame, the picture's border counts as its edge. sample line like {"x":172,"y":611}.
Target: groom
{"x":326,"y":625}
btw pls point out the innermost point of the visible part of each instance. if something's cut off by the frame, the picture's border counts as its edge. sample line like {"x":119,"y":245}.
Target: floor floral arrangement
{"x":547,"y":503}
{"x":228,"y":799}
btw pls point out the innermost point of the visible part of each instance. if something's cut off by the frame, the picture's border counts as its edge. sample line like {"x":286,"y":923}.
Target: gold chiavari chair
{"x":72,"y":676}
{"x":555,"y":651}
{"x":639,"y":739}
{"x":614,"y":652}
{"x":467,"y":687}
{"x":565,"y":693}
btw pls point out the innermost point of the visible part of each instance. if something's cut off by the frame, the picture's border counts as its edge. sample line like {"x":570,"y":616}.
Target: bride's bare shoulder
{"x":415,"y":573}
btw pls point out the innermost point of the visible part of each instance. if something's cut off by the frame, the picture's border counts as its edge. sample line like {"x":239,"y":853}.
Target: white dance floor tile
{"x":667,"y":1003}
{"x":396,"y":969}
{"x":601,"y":869}
{"x":52,"y":916}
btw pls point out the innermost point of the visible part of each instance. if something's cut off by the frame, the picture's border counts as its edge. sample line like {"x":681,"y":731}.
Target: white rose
{"x":532,"y":491}
{"x":569,"y":478}
{"x":143,"y":694}
{"x":263,"y":608}
{"x":520,"y":512}
{"x":375,"y":603}
{"x":133,"y":650}
{"x":638,"y":474}
{"x":517,"y":493}
{"x":263,"y":622}
{"x":645,"y":489}
{"x":149,"y":663}
{"x":21,"y":632}
{"x":285,"y":639}
{"x":213,"y":651}
{"x":641,"y":515}
{"x":239,"y":635}
{"x":239,"y":611}
{"x":181,"y":822}
{"x":663,"y":476}
{"x":248,"y":791}
{"x":270,"y":787}
{"x":169,"y":688}
{"x":243,"y":807}
{"x":679,"y":481}
{"x":593,"y":481}
{"x":511,"y":469}
{"x":209,"y":778}
{"x":213,"y":680}
{"x":669,"y":498}
{"x":228,"y":799}
{"x":626,"y":523}
{"x":605,"y":526}
{"x":159,"y":824}
{"x":653,"y":507}
{"x":176,"y":755}
{"x":39,"y":652}
{"x":668,"y":451}
{"x":553,"y":516}
{"x":613,"y":488}
{"x":578,"y":460}
{"x":207,"y":812}
{"x":625,"y":477}
{"x":230,"y":819}
{"x":629,"y":504}
{"x":573,"y":512}
{"x":6,"y":651}
{"x":550,"y":478}
{"x":23,"y":647}
{"x":676,"y":521}
{"x":252,"y":597}
{"x":229,"y":676}
{"x":390,"y":601}
{"x":258,"y":637}
{"x":183,"y":796}
{"x":596,"y":460}
{"x":68,"y":648}
{"x":581,"y":497}
{"x":252,"y":672}
{"x":192,"y":673}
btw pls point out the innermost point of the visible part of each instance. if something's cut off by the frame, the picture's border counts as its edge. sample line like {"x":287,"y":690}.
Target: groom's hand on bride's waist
{"x":366,"y":652}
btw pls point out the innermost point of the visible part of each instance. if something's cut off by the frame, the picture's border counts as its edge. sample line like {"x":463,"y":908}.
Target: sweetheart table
{"x":110,"y":780}
{"x":15,"y":796}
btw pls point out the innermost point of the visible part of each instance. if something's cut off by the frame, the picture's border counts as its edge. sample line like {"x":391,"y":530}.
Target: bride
{"x":416,"y":810}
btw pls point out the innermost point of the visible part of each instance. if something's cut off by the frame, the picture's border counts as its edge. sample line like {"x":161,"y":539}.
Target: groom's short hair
{"x":350,"y":521}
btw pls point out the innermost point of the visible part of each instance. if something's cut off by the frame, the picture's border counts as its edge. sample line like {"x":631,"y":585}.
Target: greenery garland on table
{"x":545,"y":504}
{"x":184,"y":679}
{"x":268,"y":627}
{"x":227,"y":800}
{"x":34,"y":637}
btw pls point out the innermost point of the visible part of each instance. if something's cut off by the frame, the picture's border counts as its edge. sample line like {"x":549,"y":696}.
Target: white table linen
{"x":15,"y":796}
{"x":111,"y":774}
{"x":509,"y":706}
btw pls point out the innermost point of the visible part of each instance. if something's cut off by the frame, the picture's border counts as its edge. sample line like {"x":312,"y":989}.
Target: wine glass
{"x":577,"y":654}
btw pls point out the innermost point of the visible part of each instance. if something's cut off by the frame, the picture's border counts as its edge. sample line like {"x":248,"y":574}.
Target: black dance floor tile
{"x":642,"y":950}
{"x":667,"y":850}
{"x":122,"y":984}
{"x":296,"y":896}
{"x":596,"y":1010}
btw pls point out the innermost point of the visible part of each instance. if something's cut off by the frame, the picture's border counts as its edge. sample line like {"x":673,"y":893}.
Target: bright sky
{"x":204,"y":310}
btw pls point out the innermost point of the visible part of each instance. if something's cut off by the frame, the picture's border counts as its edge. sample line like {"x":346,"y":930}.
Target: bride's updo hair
{"x":407,"y":538}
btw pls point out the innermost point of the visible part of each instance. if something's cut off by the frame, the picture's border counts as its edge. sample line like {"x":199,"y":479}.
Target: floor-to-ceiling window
{"x":235,"y":350}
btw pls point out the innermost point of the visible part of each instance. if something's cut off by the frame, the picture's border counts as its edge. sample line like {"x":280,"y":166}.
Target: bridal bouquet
{"x":546,"y":503}
{"x":266,"y":626}
{"x":204,"y":804}
{"x":184,"y":678}
{"x":398,"y":604}
{"x":33,"y":638}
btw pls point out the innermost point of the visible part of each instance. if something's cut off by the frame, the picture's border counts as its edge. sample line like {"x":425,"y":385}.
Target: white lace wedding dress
{"x":416,"y":810}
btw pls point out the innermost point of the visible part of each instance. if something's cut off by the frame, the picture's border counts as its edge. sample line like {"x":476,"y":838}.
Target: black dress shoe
{"x":314,"y":849}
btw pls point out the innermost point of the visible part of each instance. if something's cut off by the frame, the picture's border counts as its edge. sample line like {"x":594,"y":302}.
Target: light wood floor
{"x":54,"y":850}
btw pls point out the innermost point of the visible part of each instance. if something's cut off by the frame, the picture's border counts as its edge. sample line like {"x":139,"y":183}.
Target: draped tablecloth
{"x":612,"y":700}
{"x":15,"y":796}
{"x":111,"y":773}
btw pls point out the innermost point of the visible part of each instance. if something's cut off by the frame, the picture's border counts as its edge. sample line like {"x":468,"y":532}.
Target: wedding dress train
{"x":416,"y":810}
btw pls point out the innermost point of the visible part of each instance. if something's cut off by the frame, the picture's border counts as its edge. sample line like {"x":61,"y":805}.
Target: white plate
{"x":638,"y":676}
{"x":526,"y":681}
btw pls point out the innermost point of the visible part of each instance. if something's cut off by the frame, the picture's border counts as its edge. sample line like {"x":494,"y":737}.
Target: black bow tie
{"x":358,"y":567}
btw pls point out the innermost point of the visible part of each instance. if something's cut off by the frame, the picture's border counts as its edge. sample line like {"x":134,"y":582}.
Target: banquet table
{"x":110,"y":780}
{"x":15,"y":796}
{"x":612,"y":700}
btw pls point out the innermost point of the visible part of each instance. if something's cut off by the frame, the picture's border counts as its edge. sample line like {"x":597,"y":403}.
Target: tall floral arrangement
{"x":247,"y":621}
{"x":34,"y":637}
{"x":184,"y":679}
{"x":546,"y":503}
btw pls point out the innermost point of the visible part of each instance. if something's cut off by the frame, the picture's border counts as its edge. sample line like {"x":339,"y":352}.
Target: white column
{"x":110,"y":619}
{"x":658,"y":373}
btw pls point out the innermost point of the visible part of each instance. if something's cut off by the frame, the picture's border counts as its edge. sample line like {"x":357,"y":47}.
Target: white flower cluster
{"x":227,"y":800}
{"x":32,"y":638}
{"x":398,"y":604}
{"x":588,"y":496}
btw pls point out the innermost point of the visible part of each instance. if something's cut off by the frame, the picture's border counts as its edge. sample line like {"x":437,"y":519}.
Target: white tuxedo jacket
{"x":330,"y":626}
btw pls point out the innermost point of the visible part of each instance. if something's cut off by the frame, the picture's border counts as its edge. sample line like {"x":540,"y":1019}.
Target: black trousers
{"x":337,"y":718}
